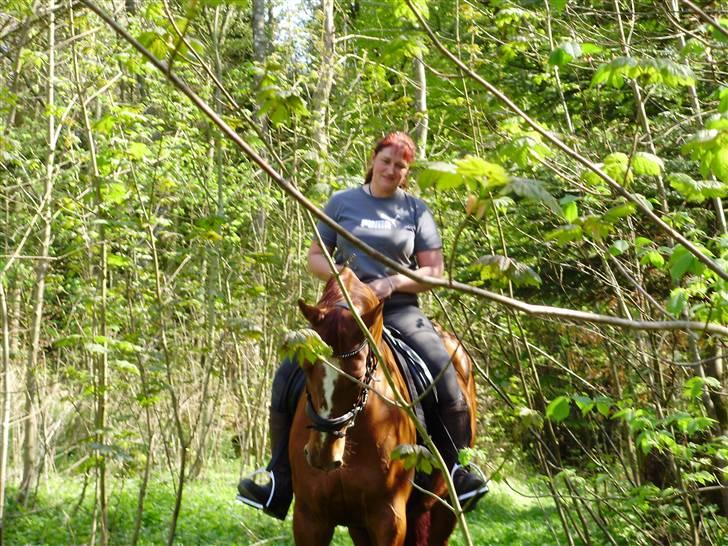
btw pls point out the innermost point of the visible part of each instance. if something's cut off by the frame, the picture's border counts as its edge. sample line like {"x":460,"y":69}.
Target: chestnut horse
{"x":343,"y":434}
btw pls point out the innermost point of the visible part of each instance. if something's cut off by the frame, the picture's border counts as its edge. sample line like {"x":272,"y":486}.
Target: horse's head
{"x":333,"y":399}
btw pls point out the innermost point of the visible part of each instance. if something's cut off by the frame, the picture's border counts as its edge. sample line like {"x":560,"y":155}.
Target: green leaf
{"x":650,"y":71}
{"x":95,"y":348}
{"x":442,"y":175}
{"x":697,"y":191}
{"x":588,"y":48}
{"x":155,"y":42}
{"x":693,"y":48}
{"x":644,"y":163}
{"x":604,"y":405}
{"x":723,"y":104}
{"x":565,"y":53}
{"x":114,"y":193}
{"x":304,"y":345}
{"x":402,"y":10}
{"x":558,"y":5}
{"x":615,"y":165}
{"x":415,"y":456}
{"x":682,"y":262}
{"x":114,"y":260}
{"x":693,"y":388}
{"x":584,"y":403}
{"x":565,"y":234}
{"x":677,"y":301}
{"x":137,"y":150}
{"x":619,"y":212}
{"x":489,"y":174}
{"x":719,"y":122}
{"x":719,"y":165}
{"x":500,"y":268}
{"x":522,"y":275}
{"x":533,"y":190}
{"x":125,"y":366}
{"x":717,"y":34}
{"x":618,"y":247}
{"x":652,"y":257}
{"x":530,"y":418}
{"x":558,"y":409}
{"x":571,"y":211}
{"x":594,"y":228}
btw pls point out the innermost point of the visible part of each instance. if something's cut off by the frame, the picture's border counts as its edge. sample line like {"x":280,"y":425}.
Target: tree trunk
{"x":30,"y":443}
{"x":423,"y":119}
{"x":322,"y":92}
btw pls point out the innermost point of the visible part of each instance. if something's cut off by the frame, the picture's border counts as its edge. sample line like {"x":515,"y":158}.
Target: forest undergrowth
{"x":62,"y":515}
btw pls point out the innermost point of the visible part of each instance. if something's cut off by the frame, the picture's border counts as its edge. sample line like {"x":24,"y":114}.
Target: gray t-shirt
{"x":399,"y":227}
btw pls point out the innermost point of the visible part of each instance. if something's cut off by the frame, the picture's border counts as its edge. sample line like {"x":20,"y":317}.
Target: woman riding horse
{"x":400,"y":226}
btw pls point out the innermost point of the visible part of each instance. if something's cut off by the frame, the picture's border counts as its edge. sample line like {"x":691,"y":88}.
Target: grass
{"x":210,"y":515}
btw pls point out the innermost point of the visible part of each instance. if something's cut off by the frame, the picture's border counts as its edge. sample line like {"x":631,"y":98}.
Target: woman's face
{"x":389,"y":170}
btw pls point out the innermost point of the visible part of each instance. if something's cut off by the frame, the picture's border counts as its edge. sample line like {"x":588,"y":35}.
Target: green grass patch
{"x":211,"y":515}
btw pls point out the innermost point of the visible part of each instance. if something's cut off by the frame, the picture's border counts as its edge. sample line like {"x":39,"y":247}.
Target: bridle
{"x":337,"y":425}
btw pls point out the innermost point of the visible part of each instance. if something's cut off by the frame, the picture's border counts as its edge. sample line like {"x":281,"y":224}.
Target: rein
{"x":336,"y":426}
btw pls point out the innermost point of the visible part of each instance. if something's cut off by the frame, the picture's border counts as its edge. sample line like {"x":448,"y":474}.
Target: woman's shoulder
{"x":416,"y":201}
{"x":346,"y":193}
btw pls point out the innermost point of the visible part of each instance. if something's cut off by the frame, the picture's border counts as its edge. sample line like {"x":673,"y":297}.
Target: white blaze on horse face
{"x":328,"y":383}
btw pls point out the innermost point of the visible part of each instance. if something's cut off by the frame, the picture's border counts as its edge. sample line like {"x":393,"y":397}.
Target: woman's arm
{"x":317,"y":262}
{"x":431,"y":264}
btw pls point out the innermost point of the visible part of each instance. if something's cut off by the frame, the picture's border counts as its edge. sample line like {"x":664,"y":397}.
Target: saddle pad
{"x":414,"y":370}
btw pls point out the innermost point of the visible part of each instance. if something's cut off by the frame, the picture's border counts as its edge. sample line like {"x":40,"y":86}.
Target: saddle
{"x":416,"y":375}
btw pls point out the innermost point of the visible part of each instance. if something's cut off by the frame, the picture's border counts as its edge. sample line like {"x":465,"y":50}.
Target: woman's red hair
{"x":399,"y":140}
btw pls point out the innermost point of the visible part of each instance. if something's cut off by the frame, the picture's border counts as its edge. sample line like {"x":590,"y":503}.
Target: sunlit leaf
{"x":558,"y":409}
{"x":644,"y":163}
{"x":697,"y":191}
{"x":440,"y":174}
{"x":618,"y":247}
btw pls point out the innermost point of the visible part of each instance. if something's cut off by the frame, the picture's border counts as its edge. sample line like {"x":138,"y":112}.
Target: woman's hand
{"x":383,"y":287}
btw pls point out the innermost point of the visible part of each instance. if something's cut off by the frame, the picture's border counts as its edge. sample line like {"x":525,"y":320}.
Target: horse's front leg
{"x":310,"y":530}
{"x":360,"y":536}
{"x":388,"y":527}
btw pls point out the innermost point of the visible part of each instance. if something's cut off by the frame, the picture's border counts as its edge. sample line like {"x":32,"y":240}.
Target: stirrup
{"x":479,"y":492}
{"x":249,"y":502}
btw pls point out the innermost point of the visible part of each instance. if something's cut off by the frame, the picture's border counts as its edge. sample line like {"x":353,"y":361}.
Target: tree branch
{"x":616,"y":187}
{"x":533,"y":310}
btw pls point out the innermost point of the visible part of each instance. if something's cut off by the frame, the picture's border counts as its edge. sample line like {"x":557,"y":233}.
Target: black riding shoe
{"x":469,"y":486}
{"x":273,"y":498}
{"x":276,"y":496}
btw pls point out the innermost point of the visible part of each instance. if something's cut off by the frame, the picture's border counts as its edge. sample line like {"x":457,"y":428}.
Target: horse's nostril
{"x":336,"y":464}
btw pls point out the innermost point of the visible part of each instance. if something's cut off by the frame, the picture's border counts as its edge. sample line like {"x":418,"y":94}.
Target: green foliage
{"x":647,"y":71}
{"x":415,"y":456}
{"x":502,"y":270}
{"x":304,"y":345}
{"x":559,"y":408}
{"x":697,"y":191}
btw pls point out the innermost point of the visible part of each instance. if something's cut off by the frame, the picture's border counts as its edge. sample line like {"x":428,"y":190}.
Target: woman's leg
{"x":450,"y":428}
{"x":275,"y":497}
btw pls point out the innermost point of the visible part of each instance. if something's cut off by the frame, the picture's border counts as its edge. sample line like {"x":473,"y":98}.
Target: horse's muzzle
{"x":319,"y":464}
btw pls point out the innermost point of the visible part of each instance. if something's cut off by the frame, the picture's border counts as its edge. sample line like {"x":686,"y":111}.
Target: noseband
{"x":337,"y":425}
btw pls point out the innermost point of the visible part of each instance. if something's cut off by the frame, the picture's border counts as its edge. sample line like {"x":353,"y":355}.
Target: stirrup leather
{"x":249,"y":502}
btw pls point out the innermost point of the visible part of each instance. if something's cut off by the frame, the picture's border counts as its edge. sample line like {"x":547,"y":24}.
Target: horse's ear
{"x":370,"y":316}
{"x":313,"y":314}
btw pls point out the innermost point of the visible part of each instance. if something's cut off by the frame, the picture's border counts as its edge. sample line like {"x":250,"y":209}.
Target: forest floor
{"x":211,"y":515}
